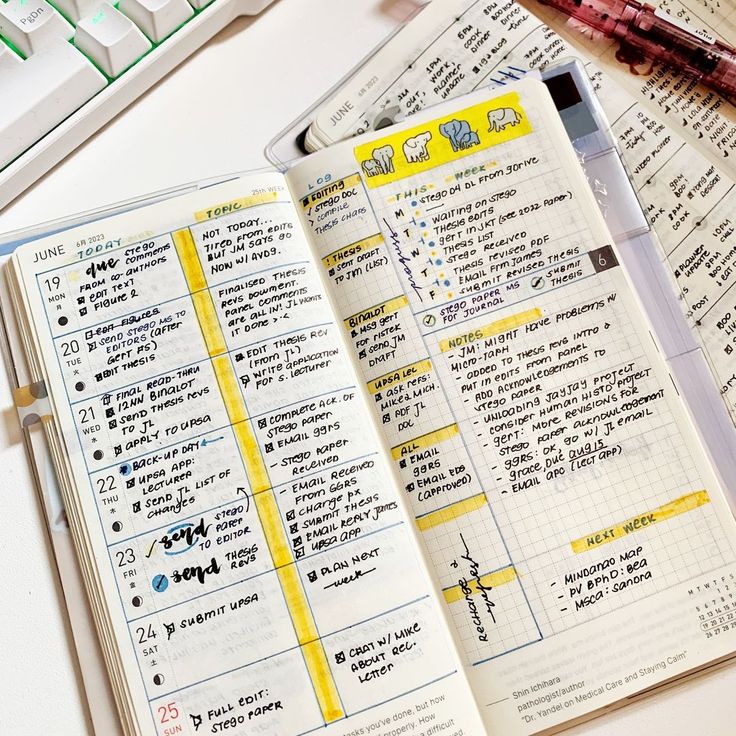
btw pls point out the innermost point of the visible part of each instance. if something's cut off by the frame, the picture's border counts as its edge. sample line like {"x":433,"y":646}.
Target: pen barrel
{"x":659,"y":37}
{"x":666,"y":40}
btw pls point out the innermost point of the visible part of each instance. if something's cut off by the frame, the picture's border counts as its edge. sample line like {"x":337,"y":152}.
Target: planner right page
{"x":677,"y":138}
{"x":580,"y":539}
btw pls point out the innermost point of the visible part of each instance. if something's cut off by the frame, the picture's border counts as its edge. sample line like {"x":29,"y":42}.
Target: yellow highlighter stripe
{"x":197,"y":283}
{"x":189,"y":258}
{"x":399,"y":375}
{"x":324,"y":684}
{"x":470,"y":587}
{"x":331,"y":189}
{"x":379,"y":310}
{"x":352,"y":250}
{"x":234,"y":205}
{"x":424,"y":441}
{"x":451,"y":512}
{"x":636,"y":523}
{"x":229,"y":389}
{"x":494,"y":328}
{"x":257,"y":474}
{"x":209,"y":323}
{"x":263,"y":496}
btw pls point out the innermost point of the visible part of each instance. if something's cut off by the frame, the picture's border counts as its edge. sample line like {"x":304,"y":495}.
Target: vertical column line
{"x":265,"y":503}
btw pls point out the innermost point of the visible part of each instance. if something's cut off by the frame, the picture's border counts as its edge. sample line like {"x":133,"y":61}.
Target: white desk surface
{"x":212,"y":115}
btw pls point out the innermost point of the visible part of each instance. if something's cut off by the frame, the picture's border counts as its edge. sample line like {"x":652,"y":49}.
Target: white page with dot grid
{"x":558,"y":484}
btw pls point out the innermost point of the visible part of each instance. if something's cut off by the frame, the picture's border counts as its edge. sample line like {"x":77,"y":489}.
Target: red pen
{"x":658,"y":37}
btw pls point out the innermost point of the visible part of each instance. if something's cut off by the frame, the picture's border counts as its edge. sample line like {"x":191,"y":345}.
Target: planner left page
{"x":248,"y":559}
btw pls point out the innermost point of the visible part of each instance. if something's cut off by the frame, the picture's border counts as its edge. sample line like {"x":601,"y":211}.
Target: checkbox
{"x":340,"y":658}
{"x":312,"y":576}
{"x":269,"y":446}
{"x":402,"y":463}
{"x":290,"y":515}
{"x":261,"y":424}
{"x":130,"y":483}
{"x":293,"y":528}
{"x":299,"y":552}
{"x":409,"y":487}
{"x":110,"y":413}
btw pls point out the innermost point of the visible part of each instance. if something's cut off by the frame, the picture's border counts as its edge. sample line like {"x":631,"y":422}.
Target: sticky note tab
{"x":32,"y":403}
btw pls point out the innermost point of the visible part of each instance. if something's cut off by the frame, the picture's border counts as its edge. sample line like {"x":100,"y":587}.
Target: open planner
{"x":383,"y":445}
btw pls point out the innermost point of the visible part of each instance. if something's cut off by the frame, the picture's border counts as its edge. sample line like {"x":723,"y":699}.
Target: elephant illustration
{"x":459,"y":134}
{"x":499,"y":118}
{"x":468,"y":139}
{"x":385,"y":158}
{"x":371,"y":167}
{"x":415,"y":149}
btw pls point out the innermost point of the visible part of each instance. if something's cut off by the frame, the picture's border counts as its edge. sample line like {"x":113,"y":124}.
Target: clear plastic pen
{"x":658,"y":37}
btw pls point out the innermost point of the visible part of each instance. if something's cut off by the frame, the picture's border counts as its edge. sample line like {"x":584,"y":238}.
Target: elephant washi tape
{"x":382,"y":161}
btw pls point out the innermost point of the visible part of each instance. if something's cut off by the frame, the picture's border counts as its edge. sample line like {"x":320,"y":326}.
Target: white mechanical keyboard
{"x":69,"y":66}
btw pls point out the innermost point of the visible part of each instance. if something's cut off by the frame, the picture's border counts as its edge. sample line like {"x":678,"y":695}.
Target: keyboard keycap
{"x":110,"y":39}
{"x":199,"y":4}
{"x":157,"y":18}
{"x":8,"y":58}
{"x":45,"y":89}
{"x":31,"y":24}
{"x":75,"y":9}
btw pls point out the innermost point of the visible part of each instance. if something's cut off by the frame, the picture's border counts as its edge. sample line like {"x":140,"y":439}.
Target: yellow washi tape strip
{"x":399,"y":375}
{"x":492,"y":580}
{"x":494,"y":328}
{"x":378,"y":310}
{"x":442,"y":140}
{"x":451,"y":512}
{"x":424,"y":441}
{"x":352,"y":250}
{"x":227,"y":208}
{"x":335,"y":187}
{"x":636,"y":523}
